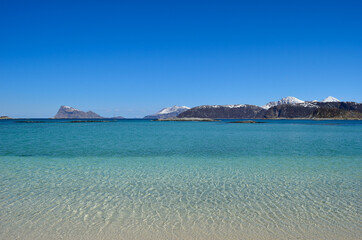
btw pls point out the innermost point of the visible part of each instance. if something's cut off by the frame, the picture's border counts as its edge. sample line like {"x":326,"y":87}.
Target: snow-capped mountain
{"x":173,"y":109}
{"x":168,"y":112}
{"x":286,"y":108}
{"x":286,"y":100}
{"x":330,"y":99}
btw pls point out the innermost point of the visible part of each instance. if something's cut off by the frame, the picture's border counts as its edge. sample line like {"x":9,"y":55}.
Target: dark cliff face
{"x":352,"y":106}
{"x":69,"y":112}
{"x":246,"y":111}
{"x":337,"y":113}
{"x":337,"y":110}
{"x":289,"y":111}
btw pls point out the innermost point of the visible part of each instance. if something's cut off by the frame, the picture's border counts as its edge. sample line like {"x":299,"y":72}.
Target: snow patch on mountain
{"x":69,"y":109}
{"x":330,"y":99}
{"x":172,"y":109}
{"x":220,"y":106}
{"x":286,"y":100}
{"x":308,"y":104}
{"x":168,"y":112}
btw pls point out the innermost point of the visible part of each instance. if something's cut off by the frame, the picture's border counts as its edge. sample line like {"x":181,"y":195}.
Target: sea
{"x":143,"y":179}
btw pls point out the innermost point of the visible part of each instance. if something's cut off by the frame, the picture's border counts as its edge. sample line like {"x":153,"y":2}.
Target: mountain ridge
{"x":289,"y":107}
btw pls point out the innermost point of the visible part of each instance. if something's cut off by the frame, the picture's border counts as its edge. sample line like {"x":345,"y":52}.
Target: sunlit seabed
{"x":150,"y":180}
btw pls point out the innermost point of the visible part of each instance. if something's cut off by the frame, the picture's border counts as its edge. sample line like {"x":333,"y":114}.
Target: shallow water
{"x":138,"y":179}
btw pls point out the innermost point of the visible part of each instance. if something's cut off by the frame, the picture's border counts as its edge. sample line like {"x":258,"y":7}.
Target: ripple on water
{"x":180,"y":202}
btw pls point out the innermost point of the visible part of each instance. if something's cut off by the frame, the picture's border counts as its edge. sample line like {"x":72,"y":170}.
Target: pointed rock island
{"x":66,"y":112}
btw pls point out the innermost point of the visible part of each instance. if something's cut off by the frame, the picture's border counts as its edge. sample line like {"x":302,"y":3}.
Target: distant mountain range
{"x":295,"y":101}
{"x":285,"y":108}
{"x":168,"y":112}
{"x":289,"y":107}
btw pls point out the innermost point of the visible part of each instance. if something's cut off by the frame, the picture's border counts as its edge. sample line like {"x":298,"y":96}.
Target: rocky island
{"x":66,"y":112}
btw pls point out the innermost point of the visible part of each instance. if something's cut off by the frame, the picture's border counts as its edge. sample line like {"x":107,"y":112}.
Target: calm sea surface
{"x":138,"y":179}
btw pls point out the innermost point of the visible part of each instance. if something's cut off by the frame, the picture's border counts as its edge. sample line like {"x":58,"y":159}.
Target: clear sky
{"x":132,"y":58}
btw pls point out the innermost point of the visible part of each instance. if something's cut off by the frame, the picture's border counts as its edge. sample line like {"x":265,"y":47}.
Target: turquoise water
{"x":138,"y":179}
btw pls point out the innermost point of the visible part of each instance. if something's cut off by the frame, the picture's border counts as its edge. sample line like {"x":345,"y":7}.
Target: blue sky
{"x":132,"y":58}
